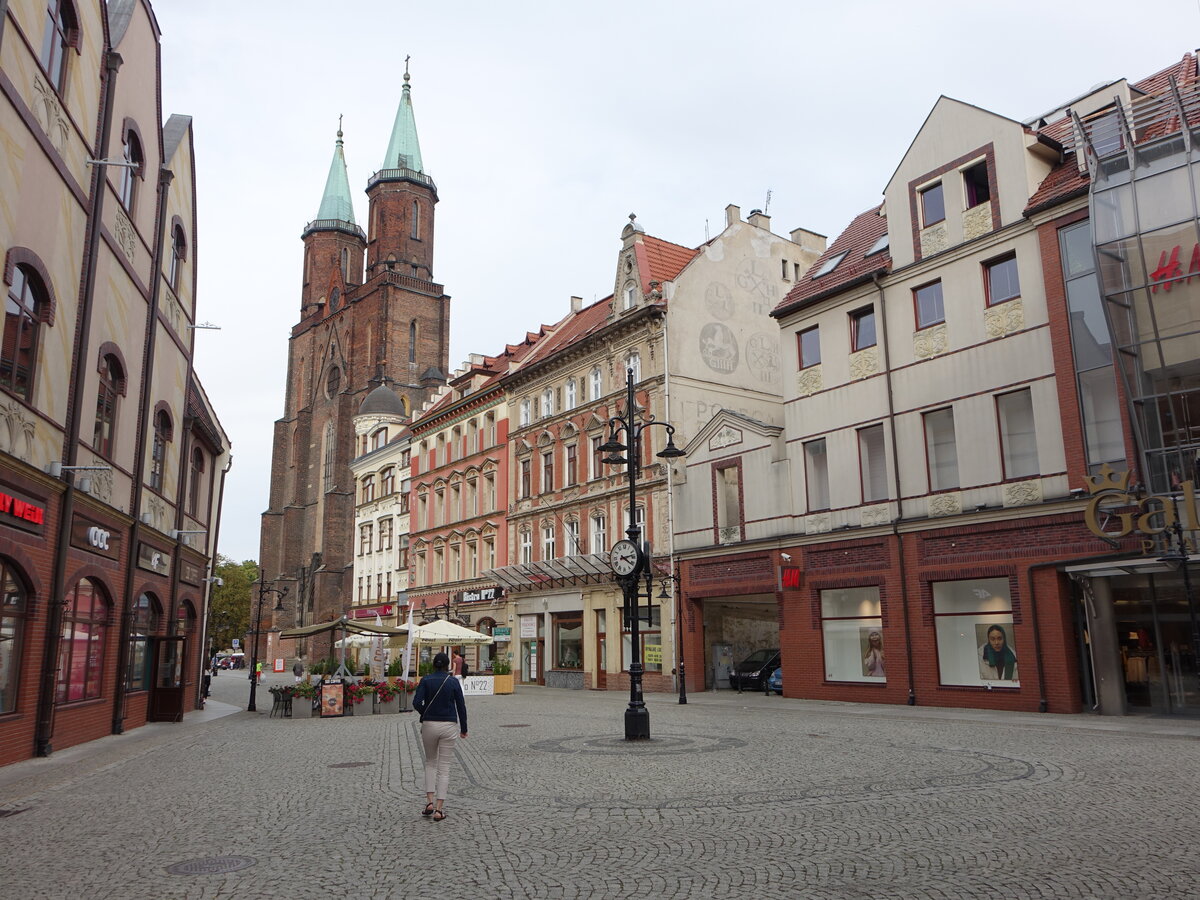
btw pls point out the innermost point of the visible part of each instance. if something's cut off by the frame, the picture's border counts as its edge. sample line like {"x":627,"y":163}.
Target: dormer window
{"x":830,"y":264}
{"x":933,"y":205}
{"x":878,"y":247}
{"x":629,"y":296}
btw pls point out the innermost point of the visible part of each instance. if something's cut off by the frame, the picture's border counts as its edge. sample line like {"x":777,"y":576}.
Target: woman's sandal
{"x":438,"y":815}
{"x":428,"y":810}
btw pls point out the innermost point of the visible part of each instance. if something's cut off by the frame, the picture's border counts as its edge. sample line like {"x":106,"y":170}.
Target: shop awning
{"x":350,"y":626}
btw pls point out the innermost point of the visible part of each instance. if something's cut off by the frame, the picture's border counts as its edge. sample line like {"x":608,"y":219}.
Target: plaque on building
{"x":153,"y":559}
{"x":190,"y":573}
{"x":21,"y":511}
{"x":479,"y":594}
{"x":94,"y":537}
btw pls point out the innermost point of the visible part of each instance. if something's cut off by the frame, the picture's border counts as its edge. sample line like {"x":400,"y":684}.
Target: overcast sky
{"x":546,"y":124}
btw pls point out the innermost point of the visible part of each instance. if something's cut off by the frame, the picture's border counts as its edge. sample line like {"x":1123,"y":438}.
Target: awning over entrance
{"x":532,"y":576}
{"x":343,"y":624}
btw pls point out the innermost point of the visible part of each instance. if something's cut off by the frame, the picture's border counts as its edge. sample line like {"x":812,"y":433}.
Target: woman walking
{"x":439,"y":700}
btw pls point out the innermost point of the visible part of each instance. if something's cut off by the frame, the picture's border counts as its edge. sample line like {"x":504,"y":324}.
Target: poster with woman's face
{"x":997,"y":657}
{"x":870,"y":641}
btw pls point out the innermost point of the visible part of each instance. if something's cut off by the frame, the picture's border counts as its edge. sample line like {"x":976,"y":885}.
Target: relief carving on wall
{"x":1004,"y":319}
{"x":731,"y":534}
{"x":977,"y":221}
{"x":102,"y":485}
{"x":124,"y":233}
{"x":930,"y":342}
{"x":934,"y":239}
{"x":818,"y":523}
{"x":864,"y":363}
{"x":49,"y":114}
{"x":169,"y":306}
{"x":16,"y":437}
{"x":158,"y":512}
{"x":1023,"y":493}
{"x":808,"y":381}
{"x":945,"y":505}
{"x":875,"y":515}
{"x":725,"y":437}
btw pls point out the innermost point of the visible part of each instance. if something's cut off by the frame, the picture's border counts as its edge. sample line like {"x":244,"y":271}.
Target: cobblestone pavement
{"x":740,"y":796}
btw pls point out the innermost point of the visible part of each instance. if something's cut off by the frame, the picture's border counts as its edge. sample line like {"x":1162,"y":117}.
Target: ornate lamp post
{"x":263,"y":590}
{"x":628,"y":558}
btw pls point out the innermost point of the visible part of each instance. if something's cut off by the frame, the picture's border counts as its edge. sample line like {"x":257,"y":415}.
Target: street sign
{"x":236,"y":643}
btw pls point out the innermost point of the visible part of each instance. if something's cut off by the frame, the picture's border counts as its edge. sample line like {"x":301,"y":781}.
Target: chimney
{"x":733,"y":214}
{"x":809,"y":240}
{"x":576,"y":304}
{"x":760,"y":219}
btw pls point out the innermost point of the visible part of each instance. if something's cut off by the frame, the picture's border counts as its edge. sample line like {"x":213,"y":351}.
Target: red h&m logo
{"x":789,"y":577}
{"x":1170,"y":268}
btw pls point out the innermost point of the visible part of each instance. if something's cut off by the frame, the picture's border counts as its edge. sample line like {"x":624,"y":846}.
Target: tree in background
{"x":229,"y":610}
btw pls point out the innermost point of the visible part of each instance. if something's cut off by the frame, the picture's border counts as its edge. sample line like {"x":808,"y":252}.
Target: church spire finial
{"x":404,"y":150}
{"x":336,"y":203}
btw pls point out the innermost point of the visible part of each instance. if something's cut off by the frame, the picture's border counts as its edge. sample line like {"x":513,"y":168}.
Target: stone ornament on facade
{"x":818,"y":523}
{"x":934,"y":239}
{"x":880,"y":514}
{"x":102,"y":485}
{"x":1023,"y":493}
{"x":977,"y":221}
{"x":125,"y":235}
{"x":719,"y":348}
{"x":16,"y":437}
{"x":49,"y":114}
{"x":808,"y":381}
{"x":945,"y":505}
{"x":864,"y":363}
{"x":930,"y":342}
{"x":718,"y":299}
{"x":726,"y":436}
{"x":1003,"y":319}
{"x":730,"y":534}
{"x":168,"y":305}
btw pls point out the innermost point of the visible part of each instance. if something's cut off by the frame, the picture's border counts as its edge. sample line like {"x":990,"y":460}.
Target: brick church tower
{"x":389,"y":324}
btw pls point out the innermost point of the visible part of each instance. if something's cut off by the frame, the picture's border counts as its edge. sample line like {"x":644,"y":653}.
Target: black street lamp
{"x":629,"y":558}
{"x":263,"y":590}
{"x":666,"y":591}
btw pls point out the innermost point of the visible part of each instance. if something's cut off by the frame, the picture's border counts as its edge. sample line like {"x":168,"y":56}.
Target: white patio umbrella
{"x":439,"y":631}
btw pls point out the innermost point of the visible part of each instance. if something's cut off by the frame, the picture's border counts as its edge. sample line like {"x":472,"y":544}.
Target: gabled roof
{"x":663,"y":260}
{"x":860,"y":237}
{"x":574,"y":328}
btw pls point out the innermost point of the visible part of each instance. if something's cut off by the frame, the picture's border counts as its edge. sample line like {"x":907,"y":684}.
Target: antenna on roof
{"x":767,"y":205}
{"x":706,"y":239}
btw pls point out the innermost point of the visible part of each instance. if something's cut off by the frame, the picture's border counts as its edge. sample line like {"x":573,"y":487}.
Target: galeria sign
{"x":1151,"y":515}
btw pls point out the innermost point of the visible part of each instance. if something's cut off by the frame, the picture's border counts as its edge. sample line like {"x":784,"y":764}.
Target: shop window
{"x":809,"y":343}
{"x":650,"y":649}
{"x":1002,"y":281}
{"x":974,"y":625}
{"x":975,"y":184}
{"x":146,"y":617}
{"x":852,"y":629}
{"x":941,"y":450}
{"x":930,"y":309}
{"x":27,"y":302}
{"x":13,"y":606}
{"x":568,"y":641}
{"x":816,"y":475}
{"x":1018,"y":441}
{"x":933,"y":205}
{"x":81,"y":652}
{"x":862,"y":328}
{"x":872,"y":463}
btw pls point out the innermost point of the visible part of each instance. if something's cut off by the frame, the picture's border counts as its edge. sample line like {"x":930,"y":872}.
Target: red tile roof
{"x":575,"y":327}
{"x":660,"y":260}
{"x":855,"y":267}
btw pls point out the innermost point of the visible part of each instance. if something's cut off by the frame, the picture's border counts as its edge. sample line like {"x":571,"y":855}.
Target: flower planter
{"x":386,"y":707}
{"x":502,"y":684}
{"x":302,"y":707}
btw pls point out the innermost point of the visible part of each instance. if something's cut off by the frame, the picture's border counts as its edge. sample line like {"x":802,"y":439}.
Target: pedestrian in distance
{"x":298,"y":671}
{"x":457,"y":664}
{"x":439,"y":700}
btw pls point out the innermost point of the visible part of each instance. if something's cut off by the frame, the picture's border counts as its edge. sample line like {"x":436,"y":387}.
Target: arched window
{"x":571,"y":399}
{"x":178,"y":255}
{"x":416,"y":220}
{"x":599,"y":533}
{"x":158,"y":453}
{"x":523,"y":418}
{"x":18,"y":354}
{"x":526,"y":544}
{"x":13,"y":606}
{"x":387,"y":482}
{"x":196,"y":482}
{"x":112,"y":382}
{"x":62,"y":33}
{"x":131,"y":174}
{"x":146,"y":617}
{"x":368,"y":488}
{"x":81,"y":653}
{"x":345,"y":264}
{"x":547,"y":402}
{"x":330,"y":453}
{"x":333,"y":381}
{"x":412,"y":341}
{"x":379,"y":438}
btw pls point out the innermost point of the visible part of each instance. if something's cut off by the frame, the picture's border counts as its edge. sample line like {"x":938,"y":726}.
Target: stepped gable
{"x":854,"y":268}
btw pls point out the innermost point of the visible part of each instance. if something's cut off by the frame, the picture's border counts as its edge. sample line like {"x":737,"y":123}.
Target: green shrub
{"x":502,"y":665}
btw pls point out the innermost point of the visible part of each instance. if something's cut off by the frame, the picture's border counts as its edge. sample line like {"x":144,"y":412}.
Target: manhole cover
{"x":213,"y":865}
{"x":526,"y":725}
{"x":350,"y":765}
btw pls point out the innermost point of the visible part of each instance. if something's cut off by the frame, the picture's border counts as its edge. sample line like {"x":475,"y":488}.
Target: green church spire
{"x":335,"y":202}
{"x":404,"y":150}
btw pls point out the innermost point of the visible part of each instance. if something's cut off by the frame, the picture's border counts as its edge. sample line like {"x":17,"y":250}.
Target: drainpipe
{"x":677,"y":588}
{"x":215,"y":516}
{"x":891,"y":402}
{"x":44,"y":729}
{"x":120,"y":695}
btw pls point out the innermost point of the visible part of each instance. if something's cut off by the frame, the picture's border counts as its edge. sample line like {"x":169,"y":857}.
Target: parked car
{"x":775,"y":682}
{"x":751,"y":673}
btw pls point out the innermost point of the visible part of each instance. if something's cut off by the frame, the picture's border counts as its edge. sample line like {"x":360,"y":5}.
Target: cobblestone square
{"x":735,"y":796}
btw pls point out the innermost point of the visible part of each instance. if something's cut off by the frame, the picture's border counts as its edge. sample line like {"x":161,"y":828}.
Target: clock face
{"x":623,"y":557}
